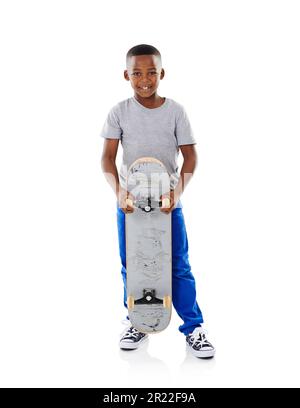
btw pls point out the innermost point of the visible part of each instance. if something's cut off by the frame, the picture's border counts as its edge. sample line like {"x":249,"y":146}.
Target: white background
{"x":235,"y":67}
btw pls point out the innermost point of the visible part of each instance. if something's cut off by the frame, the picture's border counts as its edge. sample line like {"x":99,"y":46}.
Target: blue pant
{"x":183,"y":282}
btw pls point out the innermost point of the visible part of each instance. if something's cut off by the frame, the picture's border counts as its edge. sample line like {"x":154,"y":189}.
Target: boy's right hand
{"x":125,"y":201}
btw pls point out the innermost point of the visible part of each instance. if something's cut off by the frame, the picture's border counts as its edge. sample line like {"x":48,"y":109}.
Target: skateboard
{"x":148,"y":247}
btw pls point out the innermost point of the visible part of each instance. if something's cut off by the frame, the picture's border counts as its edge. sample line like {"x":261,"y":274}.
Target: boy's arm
{"x":108,"y":163}
{"x":109,"y":168}
{"x":188,"y":167}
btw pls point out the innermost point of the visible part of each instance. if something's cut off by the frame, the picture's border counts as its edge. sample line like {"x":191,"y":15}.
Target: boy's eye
{"x":138,"y":73}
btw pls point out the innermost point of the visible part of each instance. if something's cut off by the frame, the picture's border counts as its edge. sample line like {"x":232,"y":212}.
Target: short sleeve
{"x":183,"y":130}
{"x":111,"y":128}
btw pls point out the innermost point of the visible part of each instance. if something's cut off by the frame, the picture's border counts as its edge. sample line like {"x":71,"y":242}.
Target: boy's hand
{"x":170,"y":203}
{"x":125,"y":200}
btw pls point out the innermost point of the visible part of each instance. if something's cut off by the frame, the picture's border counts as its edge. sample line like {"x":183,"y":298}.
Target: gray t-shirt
{"x":145,"y":132}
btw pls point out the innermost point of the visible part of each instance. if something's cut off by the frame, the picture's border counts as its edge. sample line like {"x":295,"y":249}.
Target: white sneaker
{"x":199,"y":345}
{"x":132,"y":338}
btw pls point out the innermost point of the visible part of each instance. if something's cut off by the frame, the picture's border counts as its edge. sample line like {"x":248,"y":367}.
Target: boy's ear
{"x":162,"y":73}
{"x":126,"y":76}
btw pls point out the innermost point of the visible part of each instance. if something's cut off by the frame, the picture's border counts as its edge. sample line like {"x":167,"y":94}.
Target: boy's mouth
{"x":145,"y":88}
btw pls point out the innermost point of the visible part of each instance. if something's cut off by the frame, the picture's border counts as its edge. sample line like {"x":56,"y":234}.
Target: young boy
{"x":149,"y":125}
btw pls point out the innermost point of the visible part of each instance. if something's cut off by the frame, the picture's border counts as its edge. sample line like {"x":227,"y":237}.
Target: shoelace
{"x":131,"y":332}
{"x":199,"y":337}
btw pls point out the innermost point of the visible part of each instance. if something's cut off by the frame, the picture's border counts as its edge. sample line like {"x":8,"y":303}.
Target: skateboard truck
{"x":147,"y":205}
{"x":149,"y":297}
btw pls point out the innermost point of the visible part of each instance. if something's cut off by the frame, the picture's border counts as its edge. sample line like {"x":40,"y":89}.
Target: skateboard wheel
{"x":147,"y":208}
{"x":167,"y":302}
{"x":165,"y":203}
{"x":130,"y":302}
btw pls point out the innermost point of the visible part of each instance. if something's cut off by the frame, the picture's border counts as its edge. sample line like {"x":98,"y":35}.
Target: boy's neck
{"x":154,"y":101}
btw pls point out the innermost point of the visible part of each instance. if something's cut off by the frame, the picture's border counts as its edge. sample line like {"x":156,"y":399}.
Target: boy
{"x":149,"y":125}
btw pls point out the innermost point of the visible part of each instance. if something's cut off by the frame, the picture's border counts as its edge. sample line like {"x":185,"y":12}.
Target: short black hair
{"x":142,"y":49}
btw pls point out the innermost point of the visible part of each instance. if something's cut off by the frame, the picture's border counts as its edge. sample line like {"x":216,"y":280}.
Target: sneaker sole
{"x":132,"y":346}
{"x":202,"y":354}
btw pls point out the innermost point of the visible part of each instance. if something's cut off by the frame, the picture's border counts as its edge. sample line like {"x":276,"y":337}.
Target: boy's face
{"x":144,"y":73}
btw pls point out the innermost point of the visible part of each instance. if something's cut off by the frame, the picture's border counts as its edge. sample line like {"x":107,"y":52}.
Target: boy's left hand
{"x":172,"y":202}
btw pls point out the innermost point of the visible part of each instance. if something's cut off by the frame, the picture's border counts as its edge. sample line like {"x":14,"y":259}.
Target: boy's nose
{"x":144,"y":77}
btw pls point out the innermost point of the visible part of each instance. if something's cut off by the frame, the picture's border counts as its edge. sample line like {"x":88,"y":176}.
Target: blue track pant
{"x":183,"y":282}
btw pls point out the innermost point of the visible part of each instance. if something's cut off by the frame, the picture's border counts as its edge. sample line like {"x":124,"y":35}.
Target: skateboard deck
{"x":148,"y":247}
